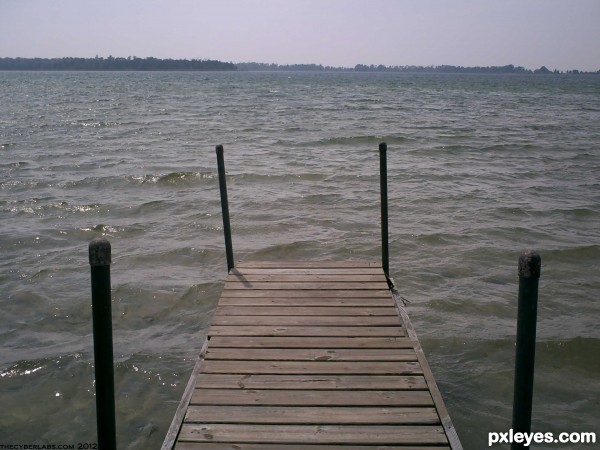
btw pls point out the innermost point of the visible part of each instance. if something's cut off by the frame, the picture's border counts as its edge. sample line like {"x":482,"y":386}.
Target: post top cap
{"x":99,"y":250}
{"x":530,"y":264}
{"x":219,"y":148}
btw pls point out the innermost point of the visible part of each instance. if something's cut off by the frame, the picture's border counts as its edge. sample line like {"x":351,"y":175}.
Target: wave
{"x":279,"y":178}
{"x":579,"y":352}
{"x":27,"y":367}
{"x":114,"y":229}
{"x":184,"y":178}
{"x":577,"y":255}
{"x":94,"y":123}
{"x":173,"y":178}
{"x":370,"y":141}
{"x":41,"y":207}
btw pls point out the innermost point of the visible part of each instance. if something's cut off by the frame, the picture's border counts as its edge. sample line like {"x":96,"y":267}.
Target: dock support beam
{"x":225,"y":208}
{"x":100,"y":259}
{"x":530,"y":265}
{"x":385,"y":252}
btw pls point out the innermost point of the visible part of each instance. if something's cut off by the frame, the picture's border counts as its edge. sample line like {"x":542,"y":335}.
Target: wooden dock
{"x":317,"y":355}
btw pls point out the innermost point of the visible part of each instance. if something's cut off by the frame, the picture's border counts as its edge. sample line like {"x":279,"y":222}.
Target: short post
{"x":385,"y":253}
{"x":225,"y":208}
{"x":100,"y":259}
{"x":530,"y":265}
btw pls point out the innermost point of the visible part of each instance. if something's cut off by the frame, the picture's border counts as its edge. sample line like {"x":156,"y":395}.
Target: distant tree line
{"x":252,"y":66}
{"x":143,"y":64}
{"x":111,"y":63}
{"x":442,"y":69}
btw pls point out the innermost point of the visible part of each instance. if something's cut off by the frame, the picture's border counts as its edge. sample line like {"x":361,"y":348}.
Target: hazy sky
{"x":562,"y":34}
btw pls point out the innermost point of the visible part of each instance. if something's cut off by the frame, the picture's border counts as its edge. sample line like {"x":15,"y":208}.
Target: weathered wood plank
{"x":309,"y":354}
{"x":331,"y":321}
{"x":305,"y":301}
{"x":315,"y":382}
{"x":309,"y":331}
{"x":308,"y":271}
{"x":296,"y":397}
{"x":242,"y":277}
{"x":312,"y":415}
{"x":312,"y":367}
{"x":311,"y":293}
{"x":305,"y":311}
{"x":307,"y":434}
{"x":247,"y":446}
{"x":309,"y":342}
{"x":307,"y":264}
{"x":305,"y":285}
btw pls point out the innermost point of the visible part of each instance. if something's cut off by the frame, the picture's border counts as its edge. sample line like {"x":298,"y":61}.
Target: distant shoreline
{"x":155,"y":64}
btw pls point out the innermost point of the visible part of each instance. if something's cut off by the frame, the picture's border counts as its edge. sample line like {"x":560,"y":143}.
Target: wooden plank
{"x":241,"y":277}
{"x":309,"y":342}
{"x":305,"y":301}
{"x":247,"y":446}
{"x":308,"y":434}
{"x":311,"y":293}
{"x":306,"y":311}
{"x":315,"y":382}
{"x":312,"y":415}
{"x":330,"y":321}
{"x":309,"y":331}
{"x":306,"y":264}
{"x":308,"y":271}
{"x":250,"y":446}
{"x":295,"y":397}
{"x":305,"y":285}
{"x":312,"y":367}
{"x":309,"y":354}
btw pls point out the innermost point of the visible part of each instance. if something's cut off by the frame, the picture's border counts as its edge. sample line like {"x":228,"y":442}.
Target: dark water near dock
{"x":480,"y":168}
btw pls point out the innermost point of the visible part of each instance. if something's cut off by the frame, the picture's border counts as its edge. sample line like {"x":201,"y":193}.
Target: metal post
{"x":530,"y":265}
{"x":225,"y":207}
{"x":100,"y":259}
{"x":385,"y":253}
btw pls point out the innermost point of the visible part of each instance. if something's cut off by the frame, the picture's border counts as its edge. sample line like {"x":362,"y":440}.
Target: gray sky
{"x":561,"y":34}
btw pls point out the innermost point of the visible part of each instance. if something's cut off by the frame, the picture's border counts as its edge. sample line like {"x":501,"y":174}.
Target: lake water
{"x":481,"y":167}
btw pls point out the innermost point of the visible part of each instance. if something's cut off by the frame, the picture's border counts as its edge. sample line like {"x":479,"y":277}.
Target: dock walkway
{"x":316,"y":355}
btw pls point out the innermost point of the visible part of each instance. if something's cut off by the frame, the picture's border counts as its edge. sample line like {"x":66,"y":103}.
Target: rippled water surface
{"x":480,"y":168}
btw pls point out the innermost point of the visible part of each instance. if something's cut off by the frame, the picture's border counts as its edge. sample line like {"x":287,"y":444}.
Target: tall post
{"x":385,"y":253}
{"x":225,"y":207}
{"x":530,"y":266}
{"x":100,"y":259}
